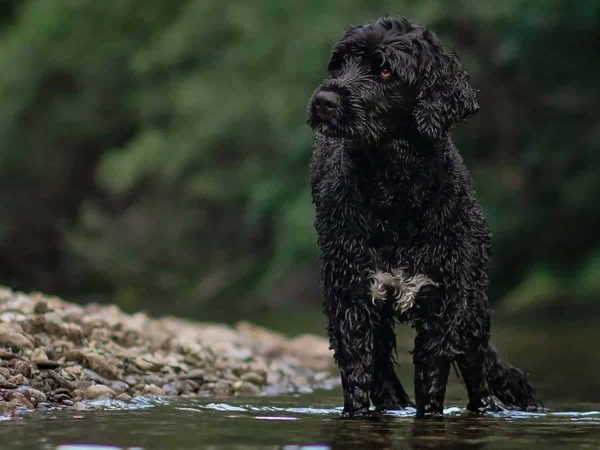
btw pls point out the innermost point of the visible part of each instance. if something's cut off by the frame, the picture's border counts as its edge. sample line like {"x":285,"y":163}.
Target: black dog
{"x":400,"y":230}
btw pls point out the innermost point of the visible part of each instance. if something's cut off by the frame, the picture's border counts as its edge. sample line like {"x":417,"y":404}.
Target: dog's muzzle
{"x":325,"y":105}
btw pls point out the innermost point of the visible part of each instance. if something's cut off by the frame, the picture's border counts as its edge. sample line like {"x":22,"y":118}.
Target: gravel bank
{"x":55,"y":353}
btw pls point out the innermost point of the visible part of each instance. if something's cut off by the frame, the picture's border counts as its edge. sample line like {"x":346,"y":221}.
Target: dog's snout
{"x":326,"y":103}
{"x":326,"y":100}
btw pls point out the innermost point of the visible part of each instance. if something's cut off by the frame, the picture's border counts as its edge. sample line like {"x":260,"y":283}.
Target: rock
{"x":73,"y":355}
{"x":14,"y":338}
{"x":6,"y":354}
{"x":46,"y":365}
{"x":40,"y":308}
{"x":254,"y":378}
{"x":102,"y":366}
{"x":221,"y":389}
{"x":152,"y":389}
{"x":98,"y":391}
{"x":170,"y":389}
{"x":78,"y":392}
{"x":198,"y":375}
{"x":84,"y":384}
{"x":245,"y":388}
{"x":74,"y":371}
{"x":19,"y":399}
{"x":148,"y":363}
{"x":180,"y":387}
{"x":56,"y":353}
{"x":39,"y":355}
{"x":33,"y":395}
{"x":24,"y":368}
{"x":80,"y":406}
{"x":119,"y":386}
{"x":18,"y":379}
{"x":55,"y":324}
{"x":62,"y":381}
{"x":7,"y":408}
{"x":124,"y":397}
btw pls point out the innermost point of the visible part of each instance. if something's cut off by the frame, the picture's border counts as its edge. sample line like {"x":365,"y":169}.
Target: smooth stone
{"x":39,"y":355}
{"x":152,"y":389}
{"x":246,"y":388}
{"x":97,"y":391}
{"x":102,"y":366}
{"x":47,"y":365}
{"x":10,"y":337}
{"x":254,"y":378}
{"x":33,"y":394}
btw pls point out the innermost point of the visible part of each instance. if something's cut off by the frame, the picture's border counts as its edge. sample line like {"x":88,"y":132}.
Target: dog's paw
{"x":430,"y":411}
{"x":430,"y":414}
{"x":487,"y":404}
{"x":356,"y":413}
{"x":393,"y":406}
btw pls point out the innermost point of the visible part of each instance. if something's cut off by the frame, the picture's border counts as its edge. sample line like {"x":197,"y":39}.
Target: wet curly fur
{"x":401,"y":233}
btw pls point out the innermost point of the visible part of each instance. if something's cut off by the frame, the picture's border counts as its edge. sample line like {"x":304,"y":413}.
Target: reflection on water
{"x":563,"y":366}
{"x":294,"y":423}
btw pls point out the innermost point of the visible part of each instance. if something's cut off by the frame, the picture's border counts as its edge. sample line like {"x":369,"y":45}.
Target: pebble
{"x":32,"y":394}
{"x":23,"y":368}
{"x":152,"y":389}
{"x":254,"y":377}
{"x":11,"y":337}
{"x":89,"y":374}
{"x":80,"y":406}
{"x":102,"y":366}
{"x":170,"y":389}
{"x":73,"y":355}
{"x":98,"y":391}
{"x":7,"y":408}
{"x":40,"y":308}
{"x":18,"y":379}
{"x":47,"y":365}
{"x":39,"y":355}
{"x":56,"y":353}
{"x":20,"y":399}
{"x":124,"y":397}
{"x":119,"y":386}
{"x":221,"y":389}
{"x":148,"y":363}
{"x":246,"y":388}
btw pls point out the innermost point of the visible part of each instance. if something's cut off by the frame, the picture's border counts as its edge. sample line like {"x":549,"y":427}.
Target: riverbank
{"x":56,"y":353}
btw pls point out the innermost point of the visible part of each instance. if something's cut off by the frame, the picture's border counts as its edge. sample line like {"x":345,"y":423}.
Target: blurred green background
{"x":154,"y":153}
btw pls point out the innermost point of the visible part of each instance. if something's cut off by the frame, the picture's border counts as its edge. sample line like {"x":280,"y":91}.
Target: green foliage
{"x":157,"y":151}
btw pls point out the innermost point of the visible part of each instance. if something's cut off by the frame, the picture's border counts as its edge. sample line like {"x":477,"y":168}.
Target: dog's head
{"x":387,"y":77}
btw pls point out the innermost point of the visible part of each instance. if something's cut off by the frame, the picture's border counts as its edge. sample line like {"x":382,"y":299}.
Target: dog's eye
{"x":386,"y":73}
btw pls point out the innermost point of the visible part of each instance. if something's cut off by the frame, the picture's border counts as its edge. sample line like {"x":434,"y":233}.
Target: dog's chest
{"x":395,"y":201}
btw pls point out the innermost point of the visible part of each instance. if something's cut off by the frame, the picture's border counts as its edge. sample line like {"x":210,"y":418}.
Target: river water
{"x":563,"y":360}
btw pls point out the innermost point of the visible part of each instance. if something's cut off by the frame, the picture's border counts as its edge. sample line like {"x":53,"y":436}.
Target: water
{"x":564,"y":364}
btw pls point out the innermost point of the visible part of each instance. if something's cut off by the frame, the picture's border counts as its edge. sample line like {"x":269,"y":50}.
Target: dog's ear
{"x":444,"y":94}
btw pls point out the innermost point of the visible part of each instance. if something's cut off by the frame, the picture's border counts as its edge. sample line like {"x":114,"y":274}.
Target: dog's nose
{"x":325,"y":103}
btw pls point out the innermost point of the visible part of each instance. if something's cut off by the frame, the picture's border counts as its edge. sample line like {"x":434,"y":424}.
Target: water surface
{"x":564,"y":364}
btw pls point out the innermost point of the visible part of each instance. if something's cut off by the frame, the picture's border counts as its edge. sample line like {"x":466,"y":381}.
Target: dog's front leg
{"x":352,"y":342}
{"x":431,"y":354}
{"x":345,"y":263}
{"x":387,"y":393}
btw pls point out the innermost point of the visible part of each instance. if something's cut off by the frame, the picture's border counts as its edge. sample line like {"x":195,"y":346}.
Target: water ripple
{"x":407,"y":412}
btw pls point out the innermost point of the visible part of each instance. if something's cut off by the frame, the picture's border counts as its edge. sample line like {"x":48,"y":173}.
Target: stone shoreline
{"x":55,"y":353}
